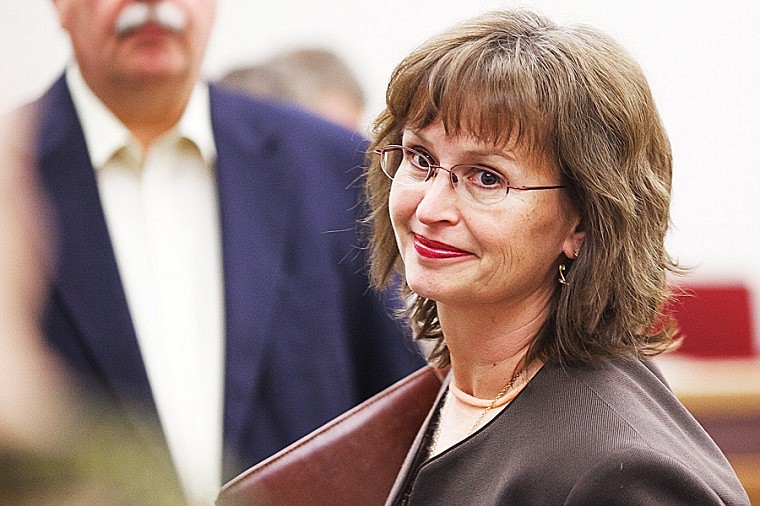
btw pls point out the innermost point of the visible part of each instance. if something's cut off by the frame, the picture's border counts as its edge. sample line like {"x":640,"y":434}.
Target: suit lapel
{"x":253,"y":215}
{"x":414,"y":459}
{"x":87,"y":284}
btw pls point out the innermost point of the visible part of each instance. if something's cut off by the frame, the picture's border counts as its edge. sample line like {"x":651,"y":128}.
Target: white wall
{"x":701,"y":59}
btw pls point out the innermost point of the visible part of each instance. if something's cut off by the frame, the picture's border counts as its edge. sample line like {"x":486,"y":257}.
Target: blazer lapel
{"x":254,"y":218}
{"x":414,"y":459}
{"x":87,"y":284}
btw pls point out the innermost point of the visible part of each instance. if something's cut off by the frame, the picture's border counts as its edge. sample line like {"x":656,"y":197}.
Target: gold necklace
{"x":502,"y":393}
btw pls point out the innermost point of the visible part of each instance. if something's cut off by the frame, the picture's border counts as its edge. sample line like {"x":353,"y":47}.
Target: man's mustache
{"x":165,"y":14}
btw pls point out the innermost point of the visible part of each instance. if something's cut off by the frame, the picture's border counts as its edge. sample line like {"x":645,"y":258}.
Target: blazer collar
{"x":86,"y":282}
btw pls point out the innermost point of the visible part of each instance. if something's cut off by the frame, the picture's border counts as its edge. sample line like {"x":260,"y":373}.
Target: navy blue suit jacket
{"x":305,"y":339}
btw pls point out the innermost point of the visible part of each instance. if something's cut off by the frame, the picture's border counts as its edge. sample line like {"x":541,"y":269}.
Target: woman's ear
{"x":574,"y":242}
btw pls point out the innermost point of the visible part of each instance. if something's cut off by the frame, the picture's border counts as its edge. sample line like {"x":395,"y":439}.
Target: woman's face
{"x":460,"y":252}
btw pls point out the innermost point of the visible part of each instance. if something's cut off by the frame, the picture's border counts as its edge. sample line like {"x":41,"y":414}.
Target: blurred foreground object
{"x":51,"y":449}
{"x":30,"y":382}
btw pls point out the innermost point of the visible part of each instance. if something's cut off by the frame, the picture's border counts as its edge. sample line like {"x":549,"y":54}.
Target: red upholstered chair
{"x":717,"y":378}
{"x":716,"y":320}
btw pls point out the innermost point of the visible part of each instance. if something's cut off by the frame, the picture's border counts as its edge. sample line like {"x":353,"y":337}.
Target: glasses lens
{"x":480,"y":184}
{"x":390,"y":160}
{"x":404,"y":165}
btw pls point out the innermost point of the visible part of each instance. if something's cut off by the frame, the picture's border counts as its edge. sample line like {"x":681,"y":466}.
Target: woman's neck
{"x":487,"y":349}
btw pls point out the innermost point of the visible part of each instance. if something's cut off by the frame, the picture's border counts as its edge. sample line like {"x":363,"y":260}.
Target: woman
{"x":520,"y":188}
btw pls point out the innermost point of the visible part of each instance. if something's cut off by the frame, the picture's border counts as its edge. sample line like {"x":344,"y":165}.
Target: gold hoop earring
{"x":562,"y":280}
{"x":576,"y":253}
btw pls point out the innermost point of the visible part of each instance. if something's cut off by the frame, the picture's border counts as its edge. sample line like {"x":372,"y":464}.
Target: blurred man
{"x":207,"y":264}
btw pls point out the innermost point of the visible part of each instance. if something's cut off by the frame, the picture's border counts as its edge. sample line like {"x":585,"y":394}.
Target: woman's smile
{"x":429,"y":248}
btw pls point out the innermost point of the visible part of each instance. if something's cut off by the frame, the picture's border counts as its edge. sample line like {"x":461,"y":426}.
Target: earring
{"x":576,"y":253}
{"x":562,"y":280}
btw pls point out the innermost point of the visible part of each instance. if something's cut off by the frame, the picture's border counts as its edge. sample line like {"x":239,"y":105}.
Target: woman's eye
{"x":419,"y":160}
{"x":487,"y":178}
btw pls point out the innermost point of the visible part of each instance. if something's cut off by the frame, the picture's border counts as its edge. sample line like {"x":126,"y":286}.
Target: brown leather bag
{"x":354,"y":459}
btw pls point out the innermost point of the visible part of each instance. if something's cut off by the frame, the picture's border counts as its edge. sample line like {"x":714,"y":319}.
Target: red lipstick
{"x":433,"y":249}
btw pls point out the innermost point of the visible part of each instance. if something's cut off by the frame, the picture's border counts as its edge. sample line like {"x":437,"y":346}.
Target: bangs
{"x":484,"y":92}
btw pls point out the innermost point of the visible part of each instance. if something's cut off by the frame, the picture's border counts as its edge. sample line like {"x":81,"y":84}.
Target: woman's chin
{"x":427,"y":289}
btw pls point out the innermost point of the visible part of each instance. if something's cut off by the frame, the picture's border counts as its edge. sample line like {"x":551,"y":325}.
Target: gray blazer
{"x":608,"y":434}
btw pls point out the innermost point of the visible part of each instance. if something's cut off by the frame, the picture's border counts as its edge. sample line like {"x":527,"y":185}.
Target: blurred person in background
{"x":315,"y":79}
{"x":207,"y":275}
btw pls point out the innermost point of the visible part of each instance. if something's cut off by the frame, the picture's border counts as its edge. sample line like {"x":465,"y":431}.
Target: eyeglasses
{"x":408,"y":167}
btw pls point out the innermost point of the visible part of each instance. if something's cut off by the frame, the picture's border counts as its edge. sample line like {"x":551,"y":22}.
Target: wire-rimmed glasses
{"x":408,"y":167}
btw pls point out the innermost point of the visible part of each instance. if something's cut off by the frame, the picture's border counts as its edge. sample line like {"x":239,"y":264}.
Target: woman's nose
{"x":439,"y":200}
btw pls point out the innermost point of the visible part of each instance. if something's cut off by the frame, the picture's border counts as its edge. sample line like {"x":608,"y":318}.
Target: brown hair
{"x":574,"y":95}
